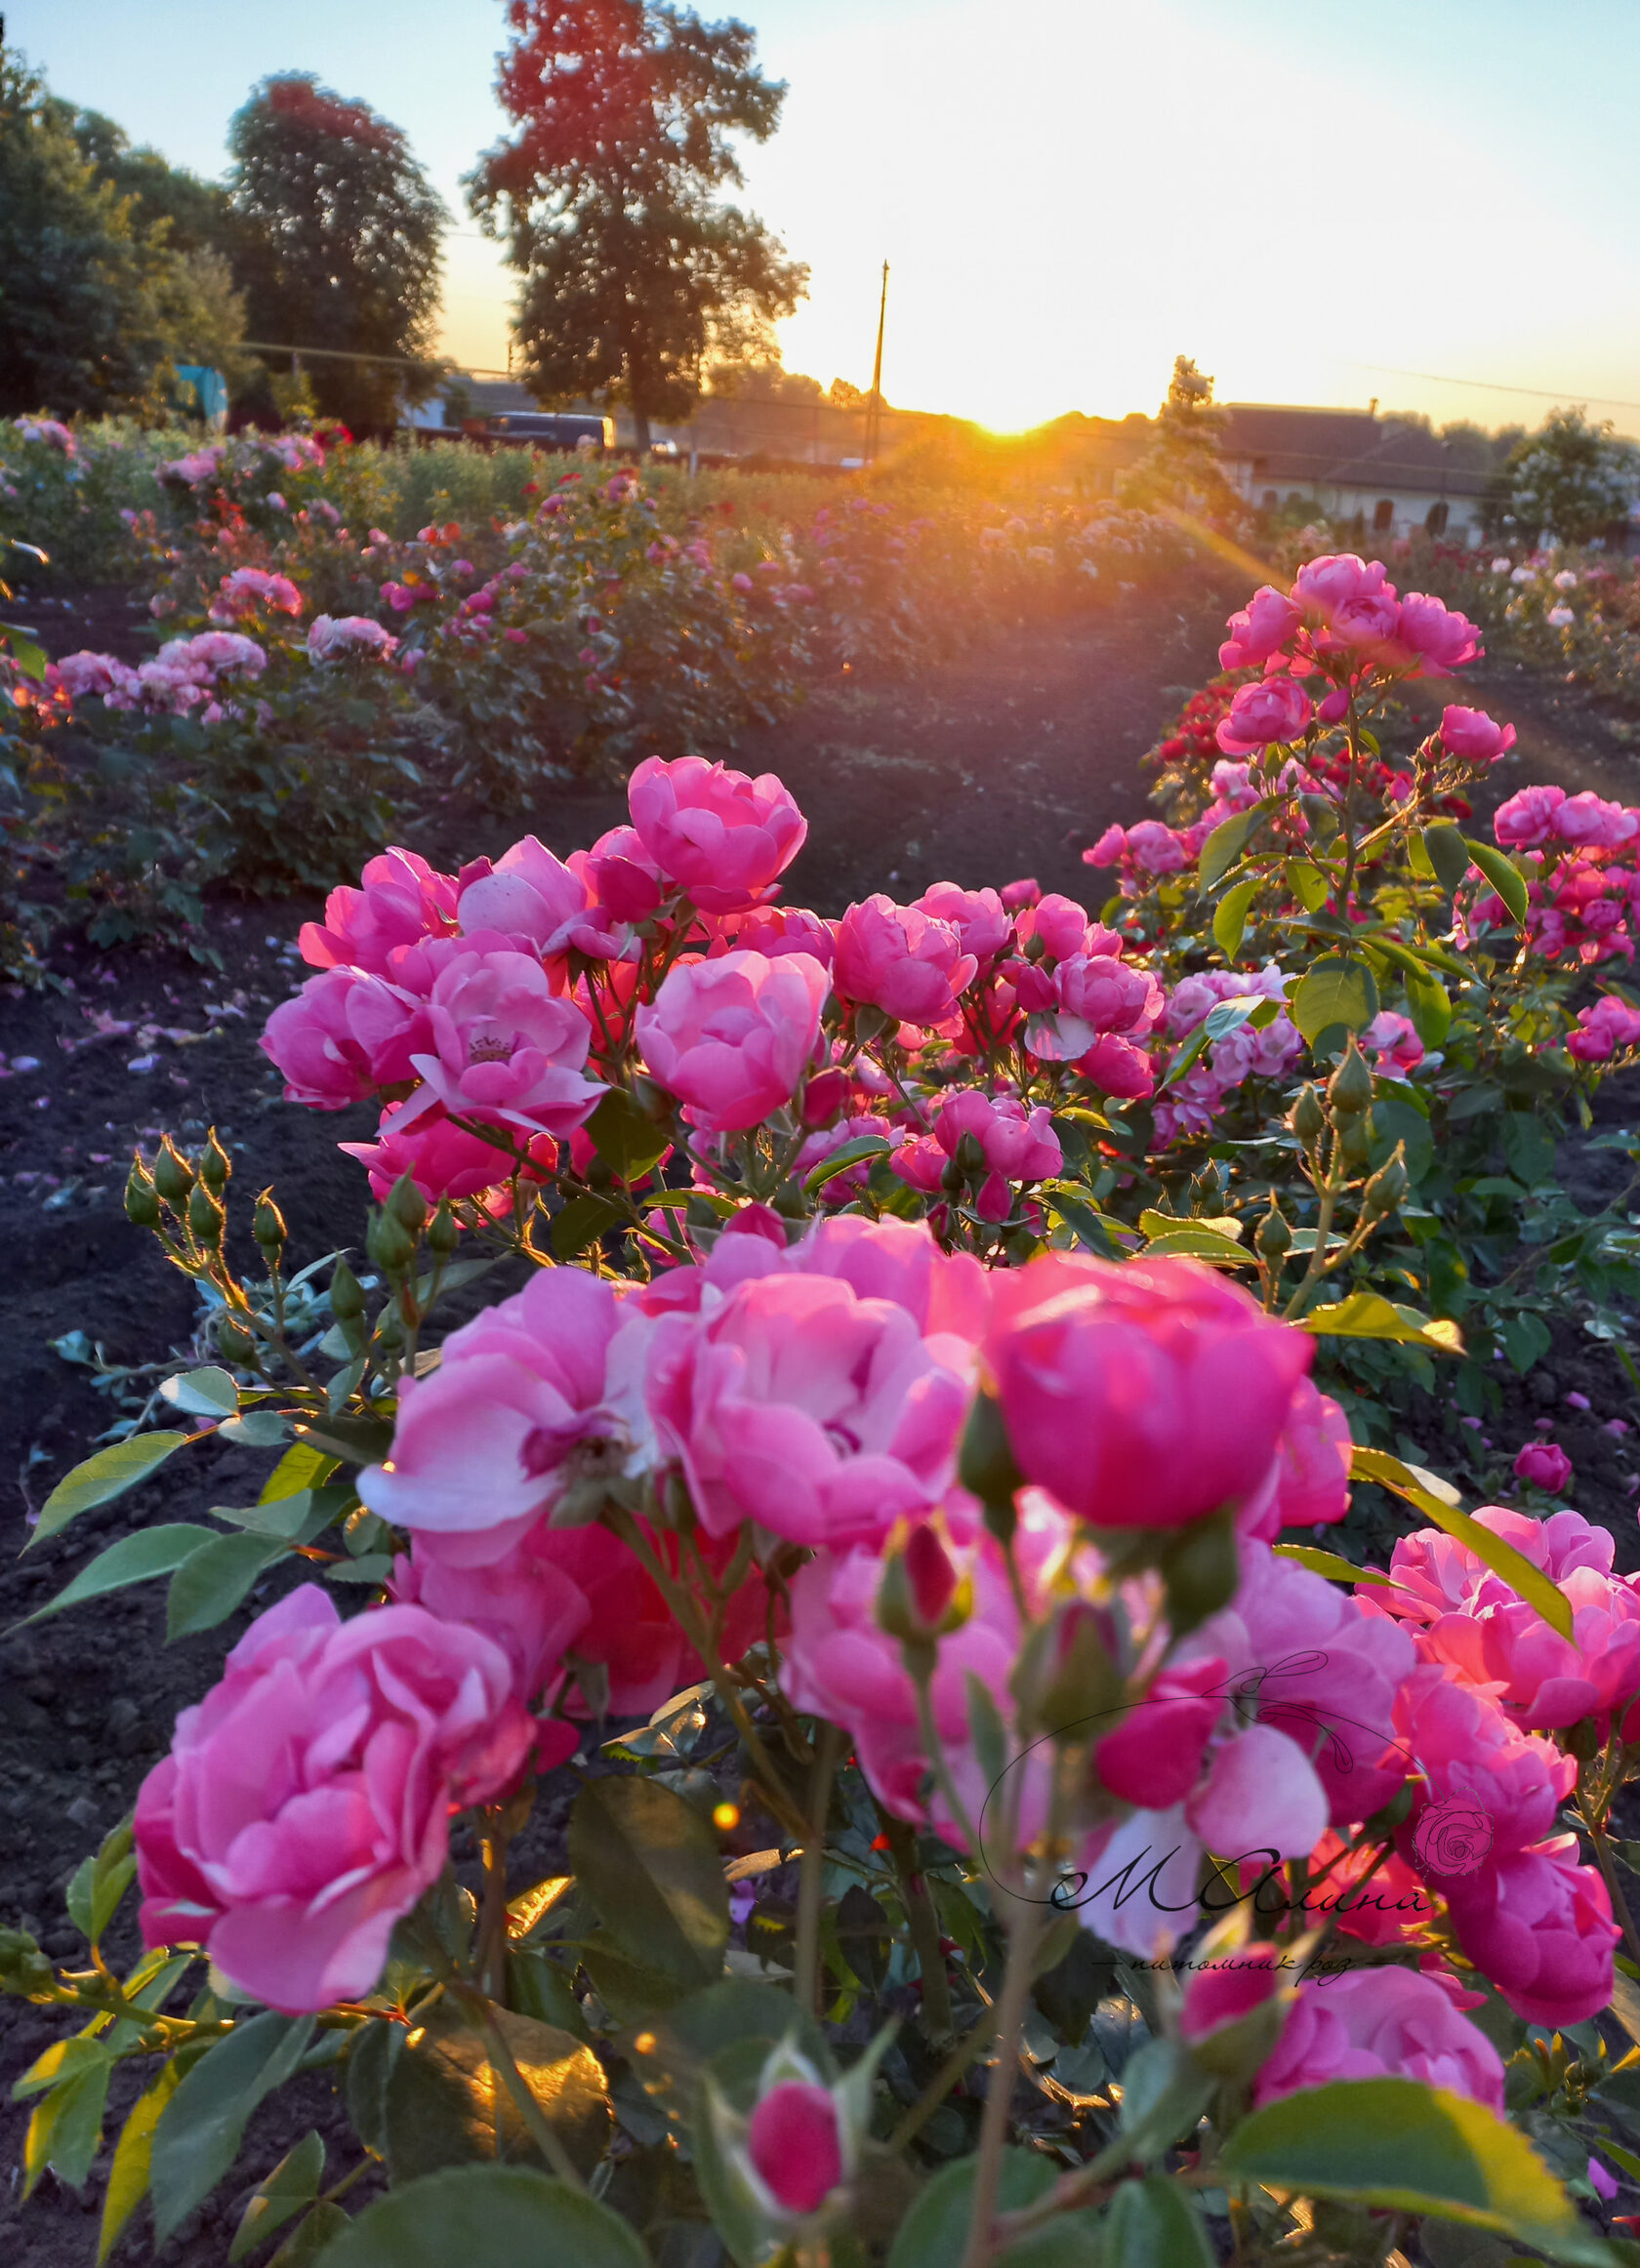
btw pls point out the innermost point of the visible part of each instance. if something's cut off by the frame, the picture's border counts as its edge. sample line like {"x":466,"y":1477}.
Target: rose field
{"x":823,"y":1391}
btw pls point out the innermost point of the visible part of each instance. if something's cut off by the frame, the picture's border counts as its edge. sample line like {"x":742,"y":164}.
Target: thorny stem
{"x":811,"y":1879}
{"x":1009,"y":2016}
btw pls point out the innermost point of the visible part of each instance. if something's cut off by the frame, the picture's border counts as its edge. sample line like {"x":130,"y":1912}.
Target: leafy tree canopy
{"x":338,"y":243}
{"x":634,"y":270}
{"x":1572,"y":479}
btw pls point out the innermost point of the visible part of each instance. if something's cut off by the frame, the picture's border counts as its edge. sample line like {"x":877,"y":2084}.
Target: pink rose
{"x":821,"y":1414}
{"x":793,"y":2138}
{"x":402,"y":901}
{"x":1154,"y":1756}
{"x":1543,"y":1464}
{"x":1109,"y":850}
{"x":1145,"y":1394}
{"x":1540,"y":1925}
{"x":1380,"y":2024}
{"x":1393,"y":1042}
{"x":1440,"y":639}
{"x":534,"y":899}
{"x":1015,"y":1147}
{"x":723,"y":837}
{"x":1527,"y":819}
{"x":1260,"y":630}
{"x":1093,"y":996}
{"x":1276,"y":709}
{"x":1311,"y":1485}
{"x":1473,"y":737}
{"x":773,"y":931}
{"x":1118,"y":1069}
{"x":1609,"y":1025}
{"x":504,"y":1047}
{"x":978,"y":916}
{"x":1156,"y":849}
{"x":1591,"y":824}
{"x":1061,"y":923}
{"x":534,"y":1391}
{"x":1349,"y":600}
{"x":345,"y":1035}
{"x":442,"y":1160}
{"x":524,"y":1604}
{"x":348,"y":633}
{"x":1471,"y":1752}
{"x":732,"y":1038}
{"x":901,"y":961}
{"x":305,"y":1806}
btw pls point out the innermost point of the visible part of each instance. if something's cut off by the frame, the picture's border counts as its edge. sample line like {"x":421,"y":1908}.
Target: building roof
{"x":1289,"y":443}
{"x":1408,"y":457}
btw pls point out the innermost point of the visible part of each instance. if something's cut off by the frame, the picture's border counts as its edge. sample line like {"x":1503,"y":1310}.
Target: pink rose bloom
{"x":1027,"y":891}
{"x":1471,"y":1754}
{"x":620,"y":875}
{"x":402,"y":900}
{"x":978,"y":916}
{"x":793,"y":2138}
{"x":944,"y":1294}
{"x":504,"y":1047}
{"x":1591,"y":824}
{"x":1393,"y":1042}
{"x":85,"y":674}
{"x":1440,"y":639}
{"x":1472,"y":736}
{"x":1349,"y":597}
{"x":732,"y":1038}
{"x":840,"y":1663}
{"x":527,"y":1394}
{"x":345,"y":1035}
{"x":1310,"y":1484}
{"x":901,"y":961}
{"x":1156,"y":849}
{"x":1145,"y":1394}
{"x":723,"y":837}
{"x":1276,"y":709}
{"x":1380,"y":2024}
{"x":1017,"y":1146}
{"x":1540,"y":1925}
{"x":249,"y":587}
{"x":1543,"y":1464}
{"x":533,"y":898}
{"x":1259,"y":630}
{"x":1061,"y":923}
{"x":523,"y":1603}
{"x":1093,"y":996}
{"x":1220,"y":1992}
{"x":1154,"y":1756}
{"x":1609,"y":1025}
{"x":213,"y":654}
{"x":1110,"y":849}
{"x":629,"y":1631}
{"x":821,"y":1414}
{"x":1527,"y":819}
{"x":305,"y":1806}
{"x":441,"y":1160}
{"x":348,"y":633}
{"x":1120,"y":1068}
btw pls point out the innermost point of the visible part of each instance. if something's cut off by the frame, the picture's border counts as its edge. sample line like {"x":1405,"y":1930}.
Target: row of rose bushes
{"x":583,"y":631}
{"x":1042,"y":1841}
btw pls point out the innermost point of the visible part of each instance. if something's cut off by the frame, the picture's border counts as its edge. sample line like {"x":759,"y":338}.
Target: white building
{"x":1389,"y":479}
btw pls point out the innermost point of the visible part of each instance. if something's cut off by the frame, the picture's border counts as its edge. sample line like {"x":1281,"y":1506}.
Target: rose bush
{"x":950,"y":1340}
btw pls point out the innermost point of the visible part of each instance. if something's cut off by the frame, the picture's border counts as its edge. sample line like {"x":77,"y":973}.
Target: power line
{"x":1572,"y":393}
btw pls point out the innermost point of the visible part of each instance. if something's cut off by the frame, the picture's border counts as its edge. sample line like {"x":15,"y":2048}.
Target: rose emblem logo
{"x":1452,"y":1838}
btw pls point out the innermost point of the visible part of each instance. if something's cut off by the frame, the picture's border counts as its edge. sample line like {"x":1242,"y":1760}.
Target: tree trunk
{"x":640,"y":425}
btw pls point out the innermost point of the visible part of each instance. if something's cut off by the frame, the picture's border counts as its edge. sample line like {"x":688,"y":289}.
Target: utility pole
{"x":874,"y":408}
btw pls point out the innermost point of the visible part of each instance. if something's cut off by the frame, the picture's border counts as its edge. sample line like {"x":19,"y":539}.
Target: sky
{"x":1430,"y":204}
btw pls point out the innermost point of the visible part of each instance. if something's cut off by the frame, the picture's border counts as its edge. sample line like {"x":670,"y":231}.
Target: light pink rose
{"x":402,"y":901}
{"x":1468,"y":1750}
{"x":1393,"y":1042}
{"x":442,"y":1160}
{"x":1145,"y":1394}
{"x":1609,"y":1025}
{"x":1589,"y":823}
{"x":534,"y":899}
{"x":1440,"y":639}
{"x":773,"y":931}
{"x":732,"y":1038}
{"x":1348,"y":599}
{"x":1094,"y":996}
{"x":978,"y":916}
{"x":723,"y":837}
{"x":523,"y":1602}
{"x":527,"y":1394}
{"x":1527,"y":819}
{"x":1156,"y":849}
{"x":1017,"y":1147}
{"x":901,"y":961}
{"x":800,"y":1405}
{"x":1260,"y":630}
{"x":620,"y":873}
{"x":1275,"y":708}
{"x":345,"y":1035}
{"x":85,"y":674}
{"x":503,"y":1047}
{"x":348,"y":633}
{"x":1061,"y":923}
{"x":1380,"y":2024}
{"x":1473,"y":737}
{"x":305,"y":1806}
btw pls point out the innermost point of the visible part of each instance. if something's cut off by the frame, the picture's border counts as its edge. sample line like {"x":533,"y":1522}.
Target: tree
{"x":1182,"y":466}
{"x":635,"y":272}
{"x":82,"y":327}
{"x":1572,"y":479}
{"x":198,"y":212}
{"x":338,"y":241}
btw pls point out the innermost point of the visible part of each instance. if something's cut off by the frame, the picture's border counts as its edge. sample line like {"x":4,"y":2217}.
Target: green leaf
{"x":102,"y":1478}
{"x":673,"y":2047}
{"x":1230,"y":917}
{"x":309,"y":2238}
{"x":842,"y":1159}
{"x":1152,"y":2223}
{"x":651,"y":1867}
{"x":135,"y":1559}
{"x":1163,"y":2093}
{"x":128,"y":2175}
{"x":582,"y":1222}
{"x":1429,"y":1005}
{"x":487,"y":2215}
{"x":1308,"y":884}
{"x":1403,"y":2147}
{"x":293,"y":2183}
{"x":1217,"y":1240}
{"x":1514,"y":1567}
{"x":1527,"y":1148}
{"x":629,"y":1144}
{"x":1227,"y":841}
{"x":1503,"y":875}
{"x":212,"y":1582}
{"x":444,"y":2102}
{"x":290,"y":1520}
{"x":200,"y":2129}
{"x":1334,"y":989}
{"x":1368,"y":1315}
{"x":1333,"y":1566}
{"x":256,"y":1429}
{"x":1526,"y":1340}
{"x":299,"y":1467}
{"x":1448,"y":854}
{"x":1394,"y":1120}
{"x":209,"y":1392}
{"x":934,"y":2233}
{"x":67,"y":2126}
